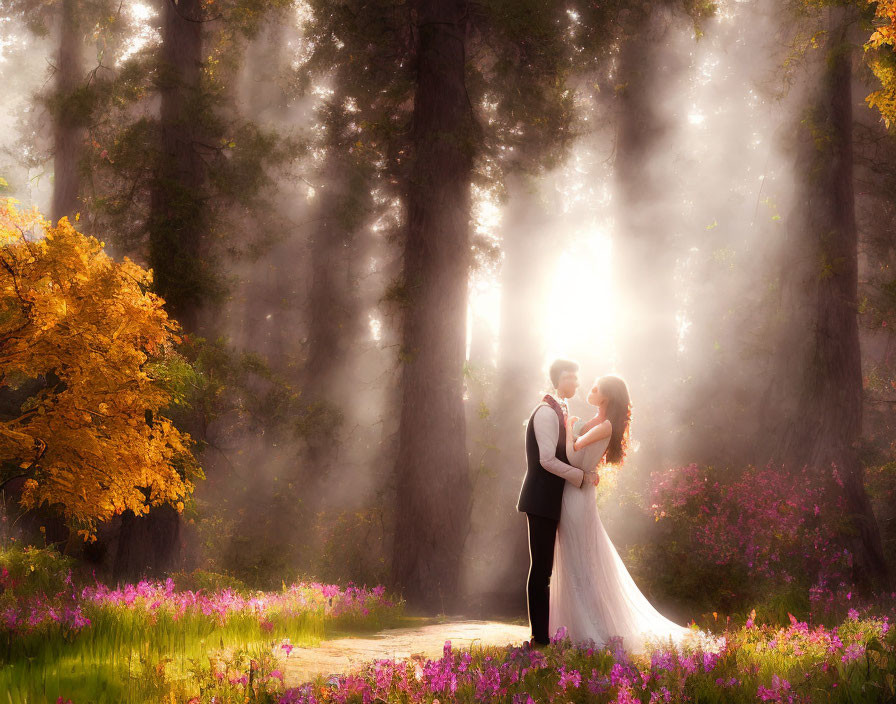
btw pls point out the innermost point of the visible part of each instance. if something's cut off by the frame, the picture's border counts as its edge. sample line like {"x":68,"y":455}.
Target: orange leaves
{"x":883,"y":39}
{"x":78,"y":327}
{"x":885,"y":33}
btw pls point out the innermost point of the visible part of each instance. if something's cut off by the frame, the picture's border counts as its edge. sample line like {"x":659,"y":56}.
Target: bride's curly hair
{"x":619,"y":413}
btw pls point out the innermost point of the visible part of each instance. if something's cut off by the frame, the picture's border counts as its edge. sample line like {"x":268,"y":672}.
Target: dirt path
{"x":340,"y":655}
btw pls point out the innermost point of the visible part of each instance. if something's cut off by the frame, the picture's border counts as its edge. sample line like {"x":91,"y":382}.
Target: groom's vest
{"x":542,"y":491}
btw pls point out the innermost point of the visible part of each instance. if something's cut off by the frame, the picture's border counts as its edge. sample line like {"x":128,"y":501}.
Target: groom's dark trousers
{"x":542,"y":532}
{"x":540,"y":499}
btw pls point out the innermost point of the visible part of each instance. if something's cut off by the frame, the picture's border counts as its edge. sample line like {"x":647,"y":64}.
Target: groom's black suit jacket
{"x":542,"y":491}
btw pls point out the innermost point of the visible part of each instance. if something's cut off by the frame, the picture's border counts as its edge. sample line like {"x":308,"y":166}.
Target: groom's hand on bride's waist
{"x":593,"y":477}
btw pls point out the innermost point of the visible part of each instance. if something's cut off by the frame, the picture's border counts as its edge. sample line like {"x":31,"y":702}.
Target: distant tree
{"x":68,"y":133}
{"x":644,"y":252}
{"x":432,"y":469}
{"x":875,"y":183}
{"x":349,"y":169}
{"x":178,"y":177}
{"x":178,"y":224}
{"x":181,"y":181}
{"x":823,"y":422}
{"x":71,"y":96}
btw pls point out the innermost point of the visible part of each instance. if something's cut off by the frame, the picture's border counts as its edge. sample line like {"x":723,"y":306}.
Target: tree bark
{"x":432,"y":466}
{"x":68,"y":127}
{"x":176,"y":219}
{"x":330,"y":389}
{"x":827,"y":425}
{"x":334,"y":307}
{"x":150,"y":544}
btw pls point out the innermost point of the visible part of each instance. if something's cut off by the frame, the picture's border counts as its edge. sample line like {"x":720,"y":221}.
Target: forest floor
{"x":340,"y":655}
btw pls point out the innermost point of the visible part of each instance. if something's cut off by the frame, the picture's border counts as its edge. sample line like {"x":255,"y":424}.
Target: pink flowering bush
{"x":36,"y":590}
{"x":763,"y":535}
{"x":31,"y":570}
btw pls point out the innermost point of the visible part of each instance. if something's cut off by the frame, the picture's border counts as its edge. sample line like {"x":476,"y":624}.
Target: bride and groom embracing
{"x":591,"y":593}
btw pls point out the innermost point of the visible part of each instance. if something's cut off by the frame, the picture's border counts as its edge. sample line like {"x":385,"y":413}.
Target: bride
{"x":592,"y":593}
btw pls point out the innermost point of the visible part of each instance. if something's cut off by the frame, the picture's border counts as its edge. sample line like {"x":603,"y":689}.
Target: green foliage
{"x":261,"y":565}
{"x":319,"y":419}
{"x":208,"y":581}
{"x":522,"y":43}
{"x":217,"y":381}
{"x":39,"y":16}
{"x":699,"y":11}
{"x":29,"y":570}
{"x":398,"y":293}
{"x":665,"y":566}
{"x":230,"y":213}
{"x":880,"y":483}
{"x":353,"y":546}
{"x":774,"y":606}
{"x":76,"y":108}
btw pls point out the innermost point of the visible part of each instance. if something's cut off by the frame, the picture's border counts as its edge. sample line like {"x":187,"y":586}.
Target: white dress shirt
{"x":547,"y":433}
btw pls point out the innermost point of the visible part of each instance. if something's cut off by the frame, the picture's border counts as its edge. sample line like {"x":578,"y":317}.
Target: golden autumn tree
{"x":880,"y":56}
{"x":89,"y":347}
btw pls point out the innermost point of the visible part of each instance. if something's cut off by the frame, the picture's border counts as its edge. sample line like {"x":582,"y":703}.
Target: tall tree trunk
{"x":329,"y":387}
{"x":148,"y":545}
{"x":176,"y":219}
{"x":827,"y":425}
{"x":68,"y":127}
{"x":432,"y":466}
{"x":334,"y":308}
{"x":268,"y":319}
{"x":270,"y":286}
{"x":151,"y":543}
{"x":643,"y":250}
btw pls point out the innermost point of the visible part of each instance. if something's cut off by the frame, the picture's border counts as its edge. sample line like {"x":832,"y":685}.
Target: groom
{"x":542,"y":491}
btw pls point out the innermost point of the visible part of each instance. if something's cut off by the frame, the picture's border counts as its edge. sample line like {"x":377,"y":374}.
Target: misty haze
{"x":447,"y":350}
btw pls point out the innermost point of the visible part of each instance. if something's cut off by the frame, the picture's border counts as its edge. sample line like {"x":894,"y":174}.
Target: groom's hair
{"x":558,"y":366}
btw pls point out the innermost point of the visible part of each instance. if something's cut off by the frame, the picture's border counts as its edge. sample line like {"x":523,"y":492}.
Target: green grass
{"x":114,"y":659}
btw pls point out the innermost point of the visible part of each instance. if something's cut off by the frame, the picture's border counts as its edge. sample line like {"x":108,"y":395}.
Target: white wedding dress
{"x":592,"y":593}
